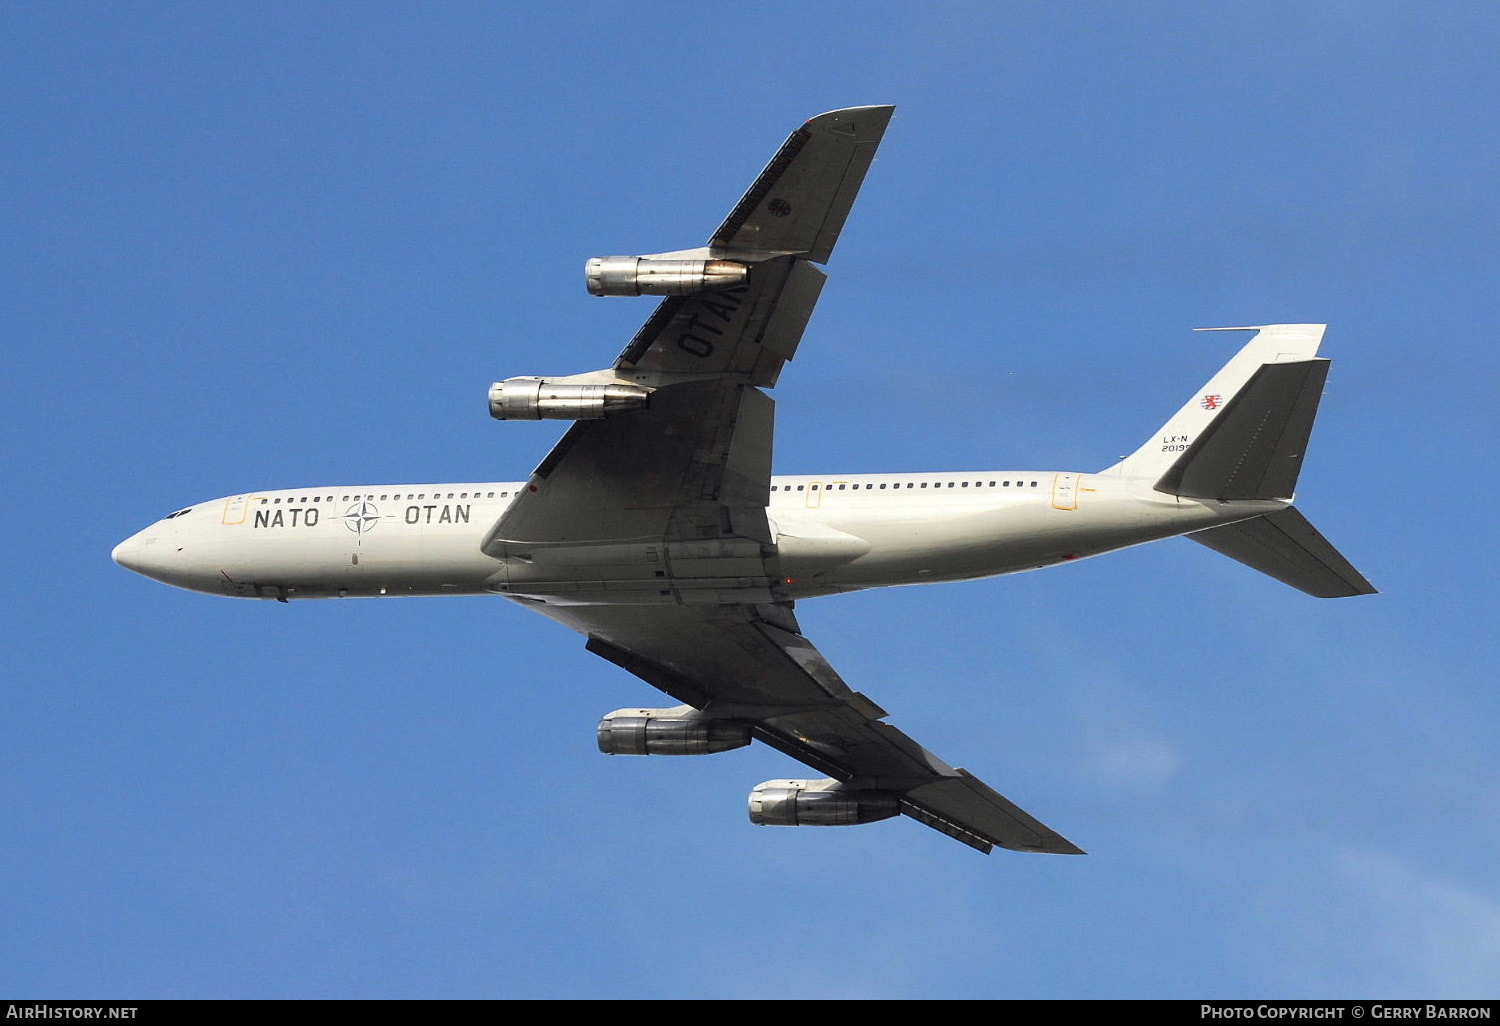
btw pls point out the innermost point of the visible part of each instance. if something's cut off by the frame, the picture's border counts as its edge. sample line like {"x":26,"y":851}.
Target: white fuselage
{"x":835,"y":533}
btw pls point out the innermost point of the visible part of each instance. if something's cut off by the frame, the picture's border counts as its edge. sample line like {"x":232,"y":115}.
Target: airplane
{"x":656,"y":529}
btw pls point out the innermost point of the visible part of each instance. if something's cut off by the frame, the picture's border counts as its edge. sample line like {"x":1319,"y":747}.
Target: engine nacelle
{"x":650,"y":276}
{"x":679,"y":731}
{"x":819,"y":803}
{"x":544,"y":399}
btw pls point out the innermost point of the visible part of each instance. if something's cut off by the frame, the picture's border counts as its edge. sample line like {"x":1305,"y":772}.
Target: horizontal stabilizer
{"x":1253,"y":448}
{"x":1285,"y":546}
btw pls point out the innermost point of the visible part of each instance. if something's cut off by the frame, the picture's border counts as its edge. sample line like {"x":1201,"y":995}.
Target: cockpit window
{"x":179,"y":513}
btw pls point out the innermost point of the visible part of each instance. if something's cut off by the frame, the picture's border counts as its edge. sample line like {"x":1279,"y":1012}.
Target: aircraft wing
{"x":693,"y":471}
{"x":751,"y":664}
{"x":647,"y":531}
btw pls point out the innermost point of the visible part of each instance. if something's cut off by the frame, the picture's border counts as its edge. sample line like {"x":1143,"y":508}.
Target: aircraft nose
{"x":134,"y":553}
{"x":167,"y":553}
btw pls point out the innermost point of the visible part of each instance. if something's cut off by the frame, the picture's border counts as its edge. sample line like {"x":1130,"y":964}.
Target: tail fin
{"x":1243,"y":434}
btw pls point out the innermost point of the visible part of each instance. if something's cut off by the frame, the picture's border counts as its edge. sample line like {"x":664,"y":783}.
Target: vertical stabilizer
{"x":1272,"y":344}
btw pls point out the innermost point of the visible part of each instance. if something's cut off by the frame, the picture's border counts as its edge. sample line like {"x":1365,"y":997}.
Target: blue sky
{"x":287,"y":244}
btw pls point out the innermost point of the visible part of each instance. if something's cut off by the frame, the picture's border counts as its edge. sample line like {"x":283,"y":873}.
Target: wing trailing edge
{"x":966,"y":808}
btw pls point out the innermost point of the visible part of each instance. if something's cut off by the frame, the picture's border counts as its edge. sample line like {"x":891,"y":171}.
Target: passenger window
{"x":799,"y":488}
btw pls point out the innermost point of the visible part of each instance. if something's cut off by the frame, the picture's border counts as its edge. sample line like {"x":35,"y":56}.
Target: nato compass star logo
{"x":361,"y":517}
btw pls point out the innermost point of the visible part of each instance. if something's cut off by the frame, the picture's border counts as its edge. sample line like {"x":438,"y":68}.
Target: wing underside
{"x":751,"y":664}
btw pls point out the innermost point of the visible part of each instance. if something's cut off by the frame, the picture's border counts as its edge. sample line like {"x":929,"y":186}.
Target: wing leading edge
{"x":647,"y":531}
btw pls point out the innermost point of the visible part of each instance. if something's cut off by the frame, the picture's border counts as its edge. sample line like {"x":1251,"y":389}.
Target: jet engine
{"x":818,"y":803}
{"x":544,"y":399}
{"x":654,"y":276}
{"x":679,"y":731}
